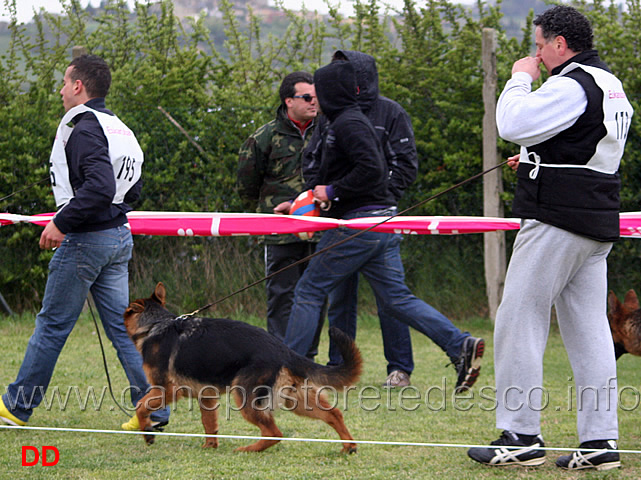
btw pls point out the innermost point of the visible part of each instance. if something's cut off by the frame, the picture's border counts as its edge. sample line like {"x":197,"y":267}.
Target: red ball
{"x":305,"y":205}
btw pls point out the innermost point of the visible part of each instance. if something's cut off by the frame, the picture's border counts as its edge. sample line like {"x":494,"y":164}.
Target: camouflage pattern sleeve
{"x":250,"y":173}
{"x":269,"y":168}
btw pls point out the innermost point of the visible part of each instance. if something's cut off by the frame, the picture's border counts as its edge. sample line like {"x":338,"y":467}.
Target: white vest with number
{"x":124,"y":151}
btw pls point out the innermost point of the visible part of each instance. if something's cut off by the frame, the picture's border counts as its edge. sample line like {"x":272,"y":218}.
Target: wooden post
{"x":494,"y":242}
{"x":5,"y":306}
{"x":77,"y":51}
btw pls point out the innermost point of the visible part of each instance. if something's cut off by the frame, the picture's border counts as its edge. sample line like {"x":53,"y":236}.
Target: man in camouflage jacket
{"x":269,"y":173}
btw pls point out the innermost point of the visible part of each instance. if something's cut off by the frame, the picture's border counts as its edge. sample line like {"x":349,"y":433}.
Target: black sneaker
{"x":468,"y":365}
{"x":602,"y":459}
{"x":502,"y":455}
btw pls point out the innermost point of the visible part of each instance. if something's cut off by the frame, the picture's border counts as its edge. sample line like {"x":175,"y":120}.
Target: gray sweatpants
{"x":550,"y":266}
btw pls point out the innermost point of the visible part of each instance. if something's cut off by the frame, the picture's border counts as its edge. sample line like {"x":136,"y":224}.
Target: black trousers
{"x":281,"y":287}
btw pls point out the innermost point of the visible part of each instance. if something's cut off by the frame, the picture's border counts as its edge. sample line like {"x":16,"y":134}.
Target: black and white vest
{"x":571,"y":180}
{"x":125,"y":152}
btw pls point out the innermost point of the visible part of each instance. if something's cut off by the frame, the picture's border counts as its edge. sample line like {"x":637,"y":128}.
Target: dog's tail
{"x":341,"y":375}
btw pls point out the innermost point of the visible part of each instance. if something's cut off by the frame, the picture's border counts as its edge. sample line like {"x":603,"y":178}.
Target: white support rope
{"x":291,"y":439}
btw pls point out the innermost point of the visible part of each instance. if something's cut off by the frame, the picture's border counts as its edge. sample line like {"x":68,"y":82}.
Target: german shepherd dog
{"x":187,"y":356}
{"x":625,"y":323}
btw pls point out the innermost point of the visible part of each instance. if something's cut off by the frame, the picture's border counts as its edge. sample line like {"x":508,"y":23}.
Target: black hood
{"x":366,"y":77}
{"x":335,"y":88}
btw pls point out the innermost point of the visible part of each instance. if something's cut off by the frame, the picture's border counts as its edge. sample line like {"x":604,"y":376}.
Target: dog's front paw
{"x":211,"y":443}
{"x":349,"y":449}
{"x":149,"y":439}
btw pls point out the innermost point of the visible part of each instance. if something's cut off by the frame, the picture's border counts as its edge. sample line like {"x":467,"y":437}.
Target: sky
{"x":25,"y":8}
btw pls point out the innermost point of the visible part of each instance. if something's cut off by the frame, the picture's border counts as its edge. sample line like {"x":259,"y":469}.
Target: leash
{"x":24,"y":189}
{"x":104,"y":361}
{"x":360,"y":232}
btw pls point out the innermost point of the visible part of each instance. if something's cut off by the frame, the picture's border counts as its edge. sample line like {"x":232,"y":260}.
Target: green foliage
{"x":192,"y":95}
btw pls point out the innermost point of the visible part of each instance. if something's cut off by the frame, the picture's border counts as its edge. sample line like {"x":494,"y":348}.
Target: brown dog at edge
{"x":625,"y":323}
{"x":193,"y":356}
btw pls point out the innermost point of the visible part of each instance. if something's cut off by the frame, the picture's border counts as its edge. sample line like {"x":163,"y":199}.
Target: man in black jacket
{"x":393,"y":128}
{"x":353,"y":179}
{"x":95,"y":173}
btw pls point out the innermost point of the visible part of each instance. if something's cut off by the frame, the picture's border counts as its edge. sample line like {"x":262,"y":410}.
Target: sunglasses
{"x":307,"y":97}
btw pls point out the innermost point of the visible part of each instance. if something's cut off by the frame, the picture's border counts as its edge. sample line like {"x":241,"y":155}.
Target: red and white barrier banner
{"x":439,"y":225}
{"x":41,"y":219}
{"x":232,"y":224}
{"x":202,"y":224}
{"x":630,"y":224}
{"x":223,"y":224}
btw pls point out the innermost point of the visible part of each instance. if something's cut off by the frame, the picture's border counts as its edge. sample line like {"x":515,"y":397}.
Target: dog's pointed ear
{"x":160,"y":294}
{"x":135,"y":307}
{"x":631,"y":302}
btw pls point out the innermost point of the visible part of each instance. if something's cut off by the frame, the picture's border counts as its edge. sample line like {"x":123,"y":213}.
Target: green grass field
{"x":399,"y":417}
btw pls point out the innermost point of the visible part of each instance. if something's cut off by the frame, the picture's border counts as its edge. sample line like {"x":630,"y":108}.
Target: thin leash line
{"x":104,"y":361}
{"x":309,"y":440}
{"x":24,"y":189}
{"x":329,"y":247}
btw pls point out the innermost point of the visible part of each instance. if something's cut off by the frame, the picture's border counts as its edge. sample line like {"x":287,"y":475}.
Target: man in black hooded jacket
{"x":393,"y":127}
{"x":352,"y":178}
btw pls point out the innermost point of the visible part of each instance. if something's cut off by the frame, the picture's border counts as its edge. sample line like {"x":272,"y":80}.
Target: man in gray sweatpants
{"x":572,"y":132}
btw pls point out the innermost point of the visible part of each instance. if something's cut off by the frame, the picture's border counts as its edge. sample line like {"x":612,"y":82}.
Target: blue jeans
{"x":377,"y":256}
{"x":95,"y":262}
{"x":397,"y":343}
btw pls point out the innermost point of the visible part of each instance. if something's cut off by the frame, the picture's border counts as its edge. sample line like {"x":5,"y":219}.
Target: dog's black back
{"x":217,"y":351}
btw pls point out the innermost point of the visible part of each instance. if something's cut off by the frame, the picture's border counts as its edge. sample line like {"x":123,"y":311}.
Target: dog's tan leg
{"x":151,"y":402}
{"x":318,"y":407}
{"x":209,"y":417}
{"x":265,"y":422}
{"x":263,"y":419}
